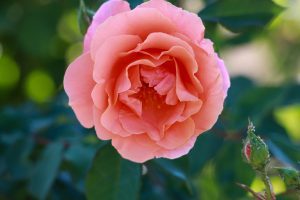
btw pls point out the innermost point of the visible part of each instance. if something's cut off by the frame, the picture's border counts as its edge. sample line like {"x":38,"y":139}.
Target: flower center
{"x":149,"y":97}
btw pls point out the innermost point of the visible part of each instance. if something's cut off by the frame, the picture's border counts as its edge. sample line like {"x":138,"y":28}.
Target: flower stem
{"x":268,"y":185}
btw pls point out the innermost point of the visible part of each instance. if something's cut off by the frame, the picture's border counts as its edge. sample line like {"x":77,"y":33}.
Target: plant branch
{"x":256,"y":195}
{"x":268,"y":185}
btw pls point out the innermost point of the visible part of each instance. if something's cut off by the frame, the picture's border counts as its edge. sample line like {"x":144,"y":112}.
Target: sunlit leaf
{"x":289,"y":118}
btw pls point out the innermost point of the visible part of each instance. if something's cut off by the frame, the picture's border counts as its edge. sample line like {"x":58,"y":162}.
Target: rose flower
{"x":147,"y":79}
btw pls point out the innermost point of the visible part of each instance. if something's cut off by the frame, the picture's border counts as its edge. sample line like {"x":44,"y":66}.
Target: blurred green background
{"x":46,"y":154}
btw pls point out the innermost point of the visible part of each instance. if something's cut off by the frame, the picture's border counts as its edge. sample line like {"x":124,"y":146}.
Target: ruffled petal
{"x":163,"y":41}
{"x":182,"y":92}
{"x":110,"y":120}
{"x":178,"y":152}
{"x":139,"y":22}
{"x":225,"y":75}
{"x":78,"y":84}
{"x":107,"y":9}
{"x":101,"y":132}
{"x":178,"y":134}
{"x":137,"y":148}
{"x":109,"y":53}
{"x":209,"y":112}
{"x":187,"y":23}
{"x":99,"y":96}
{"x":190,"y":108}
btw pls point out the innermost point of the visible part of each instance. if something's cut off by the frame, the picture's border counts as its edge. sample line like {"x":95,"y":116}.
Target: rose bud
{"x":247,"y":151}
{"x":255,"y":150}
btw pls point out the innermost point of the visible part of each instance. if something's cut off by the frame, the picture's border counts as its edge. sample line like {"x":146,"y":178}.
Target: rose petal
{"x":209,"y":70}
{"x":188,"y":68}
{"x":208,"y":65}
{"x":99,"y":96}
{"x":135,"y":125}
{"x":101,"y":132}
{"x":182,"y":92}
{"x":139,"y":22}
{"x":209,"y":112}
{"x":178,"y":134}
{"x":78,"y":84}
{"x":133,"y":103}
{"x":190,"y":108}
{"x":170,"y":115}
{"x":164,"y":86}
{"x":107,"y":9}
{"x":109,"y":52}
{"x":137,"y":148}
{"x":178,"y":152}
{"x":163,"y":41}
{"x":110,"y":120}
{"x":171,"y":98}
{"x":187,"y":23}
{"x":225,"y":75}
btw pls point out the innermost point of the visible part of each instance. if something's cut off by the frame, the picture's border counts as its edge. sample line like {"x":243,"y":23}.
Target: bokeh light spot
{"x":278,"y":185}
{"x":68,"y":28}
{"x":9,"y":72}
{"x":39,"y":86}
{"x":73,"y":51}
{"x":1,"y":50}
{"x":289,"y":118}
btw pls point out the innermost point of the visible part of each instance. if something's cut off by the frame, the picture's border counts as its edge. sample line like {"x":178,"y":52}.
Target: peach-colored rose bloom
{"x":147,"y":80}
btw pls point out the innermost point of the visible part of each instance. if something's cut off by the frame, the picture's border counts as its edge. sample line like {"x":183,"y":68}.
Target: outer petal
{"x":178,"y":152}
{"x":78,"y":84}
{"x":209,"y":112}
{"x":139,"y":22}
{"x":107,"y":9}
{"x":137,"y":148}
{"x":187,"y":23}
{"x":225,"y":75}
{"x":212,"y":80}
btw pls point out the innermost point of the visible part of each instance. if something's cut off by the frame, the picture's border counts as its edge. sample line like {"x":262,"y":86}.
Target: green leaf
{"x":208,"y":184}
{"x":173,"y":168}
{"x":240,"y":16}
{"x":84,"y":17}
{"x":80,"y":156}
{"x":230,"y":168}
{"x":206,"y":147}
{"x":112,"y":178}
{"x":290,"y":176}
{"x":46,"y":170}
{"x":279,"y":154}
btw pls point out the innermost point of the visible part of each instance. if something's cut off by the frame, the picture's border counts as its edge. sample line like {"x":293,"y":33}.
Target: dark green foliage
{"x":241,"y":16}
{"x":46,"y":170}
{"x":85,"y":17}
{"x":112,"y":177}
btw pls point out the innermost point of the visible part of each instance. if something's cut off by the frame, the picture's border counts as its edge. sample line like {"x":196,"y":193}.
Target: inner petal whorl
{"x":149,"y":97}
